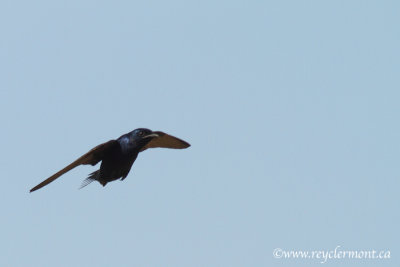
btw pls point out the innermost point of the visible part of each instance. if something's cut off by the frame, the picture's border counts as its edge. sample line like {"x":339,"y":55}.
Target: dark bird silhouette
{"x":117,"y":156}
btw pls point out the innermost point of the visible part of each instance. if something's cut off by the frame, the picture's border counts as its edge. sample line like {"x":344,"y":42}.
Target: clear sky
{"x":291,"y":107}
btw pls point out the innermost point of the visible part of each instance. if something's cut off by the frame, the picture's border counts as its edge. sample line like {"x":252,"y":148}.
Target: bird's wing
{"x":166,"y":141}
{"x":92,"y":157}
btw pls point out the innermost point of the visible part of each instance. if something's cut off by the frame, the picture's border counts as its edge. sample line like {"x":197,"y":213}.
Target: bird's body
{"x":115,"y":165}
{"x":117,"y":156}
{"x":117,"y":162}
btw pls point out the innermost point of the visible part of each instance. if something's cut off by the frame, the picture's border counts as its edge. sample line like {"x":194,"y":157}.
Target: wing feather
{"x":166,"y":141}
{"x":92,"y":157}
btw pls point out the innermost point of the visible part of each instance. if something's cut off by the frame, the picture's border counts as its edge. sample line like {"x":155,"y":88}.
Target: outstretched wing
{"x":92,"y":157}
{"x":166,"y":141}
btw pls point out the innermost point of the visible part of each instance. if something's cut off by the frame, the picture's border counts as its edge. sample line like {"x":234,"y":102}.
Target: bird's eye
{"x":141,"y":133}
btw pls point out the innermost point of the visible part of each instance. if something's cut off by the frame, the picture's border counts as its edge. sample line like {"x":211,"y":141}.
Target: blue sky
{"x":291,"y":108}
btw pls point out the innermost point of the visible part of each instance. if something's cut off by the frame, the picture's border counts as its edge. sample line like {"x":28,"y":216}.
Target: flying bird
{"x":117,"y":156}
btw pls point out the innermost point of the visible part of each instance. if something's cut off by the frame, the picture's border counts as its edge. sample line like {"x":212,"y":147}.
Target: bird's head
{"x":143,"y":133}
{"x":141,"y":136}
{"x":136,"y":139}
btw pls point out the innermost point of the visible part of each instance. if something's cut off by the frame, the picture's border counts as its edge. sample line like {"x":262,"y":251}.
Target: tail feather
{"x":92,"y":177}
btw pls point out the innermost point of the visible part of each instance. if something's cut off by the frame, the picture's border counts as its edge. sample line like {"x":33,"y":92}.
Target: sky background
{"x":291,"y":108}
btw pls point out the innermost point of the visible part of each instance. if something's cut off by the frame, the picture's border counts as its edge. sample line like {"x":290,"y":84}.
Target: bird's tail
{"x":92,"y":177}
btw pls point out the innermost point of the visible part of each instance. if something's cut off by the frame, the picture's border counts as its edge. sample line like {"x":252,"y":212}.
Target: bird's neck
{"x":129,"y":145}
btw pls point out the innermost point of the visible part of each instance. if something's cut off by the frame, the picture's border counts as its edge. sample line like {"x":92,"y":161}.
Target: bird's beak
{"x":151,"y":135}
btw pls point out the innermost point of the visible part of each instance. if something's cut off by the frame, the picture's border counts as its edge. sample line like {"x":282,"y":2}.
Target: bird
{"x":117,"y":156}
